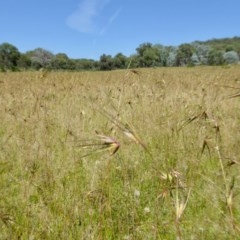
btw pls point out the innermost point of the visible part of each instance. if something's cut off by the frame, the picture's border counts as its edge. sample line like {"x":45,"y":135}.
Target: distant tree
{"x":202,"y":52}
{"x":84,"y":64}
{"x":120,"y":61}
{"x":60,"y":61}
{"x":40,"y":58}
{"x":148,"y":55}
{"x":151,"y":57}
{"x":184,"y":54}
{"x":231,"y":57}
{"x":172,"y":59}
{"x":164,"y":53}
{"x":225,"y":44}
{"x":134,"y":61}
{"x":195,"y":60}
{"x":106,"y":62}
{"x":229,"y":48}
{"x":72,"y":65}
{"x":211,"y":52}
{"x":215,"y":57}
{"x":142,"y":48}
{"x":9,"y":56}
{"x":96,"y":65}
{"x":172,"y":56}
{"x":139,"y":58}
{"x":24,"y":62}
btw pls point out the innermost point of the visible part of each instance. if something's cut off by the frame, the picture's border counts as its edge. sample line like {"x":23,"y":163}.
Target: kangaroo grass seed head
{"x":111,"y":144}
{"x":125,"y":129}
{"x":103,"y":143}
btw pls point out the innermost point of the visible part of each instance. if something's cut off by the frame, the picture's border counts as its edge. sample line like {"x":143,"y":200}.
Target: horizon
{"x":202,"y":41}
{"x":89,"y":28}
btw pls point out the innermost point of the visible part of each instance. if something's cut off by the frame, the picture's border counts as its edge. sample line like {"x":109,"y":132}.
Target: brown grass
{"x":160,"y":146}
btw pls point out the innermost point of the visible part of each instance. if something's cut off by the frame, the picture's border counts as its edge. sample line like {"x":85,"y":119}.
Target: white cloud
{"x":114,"y":16}
{"x":110,"y":21}
{"x":82,"y":19}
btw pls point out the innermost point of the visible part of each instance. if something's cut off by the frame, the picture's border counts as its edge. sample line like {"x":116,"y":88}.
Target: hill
{"x":223,"y":44}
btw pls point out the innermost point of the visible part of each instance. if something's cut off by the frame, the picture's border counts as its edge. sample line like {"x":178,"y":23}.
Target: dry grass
{"x":152,"y":154}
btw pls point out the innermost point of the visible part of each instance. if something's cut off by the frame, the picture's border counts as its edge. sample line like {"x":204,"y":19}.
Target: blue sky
{"x":89,"y":28}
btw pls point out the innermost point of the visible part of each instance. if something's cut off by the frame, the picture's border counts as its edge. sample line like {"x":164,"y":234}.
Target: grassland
{"x":179,"y":179}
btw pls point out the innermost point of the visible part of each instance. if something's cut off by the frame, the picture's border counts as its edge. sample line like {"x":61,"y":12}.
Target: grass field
{"x":146,"y":154}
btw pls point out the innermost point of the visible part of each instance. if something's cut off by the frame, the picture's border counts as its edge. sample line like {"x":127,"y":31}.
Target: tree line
{"x":211,"y":52}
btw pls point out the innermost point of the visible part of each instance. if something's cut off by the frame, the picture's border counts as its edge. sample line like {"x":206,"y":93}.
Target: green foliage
{"x":40,"y":58}
{"x":60,"y":61}
{"x":223,"y":44}
{"x":215,"y":57}
{"x":9,"y":56}
{"x":184,"y":54}
{"x":120,"y":61}
{"x":24,"y":62}
{"x":229,"y":48}
{"x":106,"y":62}
{"x":84,"y":64}
{"x":142,"y":48}
{"x":148,"y":55}
{"x":211,"y":52}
